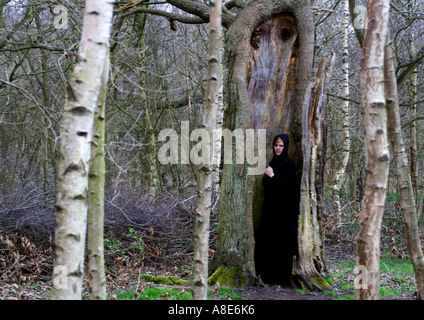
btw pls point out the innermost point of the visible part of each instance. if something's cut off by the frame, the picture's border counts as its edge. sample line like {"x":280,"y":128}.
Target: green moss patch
{"x":229,"y":277}
{"x":165,"y":280}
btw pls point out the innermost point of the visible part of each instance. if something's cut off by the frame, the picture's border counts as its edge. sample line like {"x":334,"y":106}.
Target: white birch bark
{"x":218,"y":128}
{"x":75,"y":151}
{"x":376,"y":148}
{"x":204,"y":188}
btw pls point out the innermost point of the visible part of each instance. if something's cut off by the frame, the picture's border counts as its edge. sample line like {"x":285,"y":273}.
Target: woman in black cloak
{"x":276,"y":237}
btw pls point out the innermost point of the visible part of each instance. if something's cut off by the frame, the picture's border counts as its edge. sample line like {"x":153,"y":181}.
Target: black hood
{"x":285,"y":139}
{"x":277,"y":161}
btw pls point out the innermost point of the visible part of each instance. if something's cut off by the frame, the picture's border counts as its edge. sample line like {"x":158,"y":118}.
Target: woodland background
{"x":149,"y":207}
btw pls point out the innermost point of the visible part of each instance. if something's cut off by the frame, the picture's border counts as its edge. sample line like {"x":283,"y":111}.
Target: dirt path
{"x":279,"y":293}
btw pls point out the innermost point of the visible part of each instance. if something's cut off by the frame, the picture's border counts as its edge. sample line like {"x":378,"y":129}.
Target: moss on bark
{"x":229,"y":277}
{"x":310,"y":284}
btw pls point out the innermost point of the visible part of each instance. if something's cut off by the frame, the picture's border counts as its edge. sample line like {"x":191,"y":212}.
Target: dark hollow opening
{"x":286,"y":34}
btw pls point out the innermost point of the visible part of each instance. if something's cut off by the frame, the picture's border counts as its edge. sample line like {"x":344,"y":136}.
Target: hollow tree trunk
{"x":270,"y":53}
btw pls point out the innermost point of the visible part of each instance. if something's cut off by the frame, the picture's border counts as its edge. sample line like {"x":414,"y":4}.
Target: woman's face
{"x":278,"y":147}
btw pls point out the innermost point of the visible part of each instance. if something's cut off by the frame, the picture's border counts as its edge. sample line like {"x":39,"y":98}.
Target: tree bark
{"x":404,"y":180}
{"x":95,"y":234}
{"x":204,"y":186}
{"x":337,"y":211}
{"x":148,"y":157}
{"x":413,"y":109}
{"x":75,"y":150}
{"x":376,"y":147}
{"x":216,"y":163}
{"x":309,"y":267}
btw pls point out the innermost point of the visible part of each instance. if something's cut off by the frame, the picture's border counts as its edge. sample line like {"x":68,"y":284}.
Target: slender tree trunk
{"x":404,"y":180}
{"x":149,"y":157}
{"x":204,"y":186}
{"x":4,"y":151}
{"x":413,"y":110}
{"x":95,"y":235}
{"x":218,"y":131}
{"x":337,"y":211}
{"x":75,"y":150}
{"x":376,"y":148}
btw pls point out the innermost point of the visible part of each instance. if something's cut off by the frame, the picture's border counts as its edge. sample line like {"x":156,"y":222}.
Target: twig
{"x":322,"y":9}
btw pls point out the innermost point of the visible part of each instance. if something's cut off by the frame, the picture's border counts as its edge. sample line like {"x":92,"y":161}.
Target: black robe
{"x":276,"y":237}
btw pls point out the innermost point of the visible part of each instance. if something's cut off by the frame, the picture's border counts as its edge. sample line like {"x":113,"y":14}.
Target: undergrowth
{"x":397,"y":280}
{"x":158,"y":293}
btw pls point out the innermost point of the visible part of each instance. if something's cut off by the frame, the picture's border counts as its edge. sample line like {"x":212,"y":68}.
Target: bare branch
{"x":410,"y":67}
{"x":201,"y":10}
{"x":169,"y":15}
{"x":29,"y":45}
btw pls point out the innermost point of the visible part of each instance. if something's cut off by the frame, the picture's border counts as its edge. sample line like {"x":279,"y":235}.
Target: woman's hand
{"x":269,"y":172}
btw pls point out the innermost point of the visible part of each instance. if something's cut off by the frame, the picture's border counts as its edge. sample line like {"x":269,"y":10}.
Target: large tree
{"x":270,"y":47}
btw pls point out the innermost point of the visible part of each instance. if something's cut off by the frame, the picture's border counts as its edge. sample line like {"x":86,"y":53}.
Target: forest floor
{"x":26,"y":271}
{"x":157,"y":242}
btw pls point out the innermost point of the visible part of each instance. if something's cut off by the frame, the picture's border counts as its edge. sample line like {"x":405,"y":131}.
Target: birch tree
{"x":218,"y":133}
{"x":376,"y":148}
{"x":74,"y":156}
{"x":205,"y":188}
{"x":345,"y":116}
{"x":404,"y":178}
{"x":95,"y":234}
{"x":413,"y":86}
